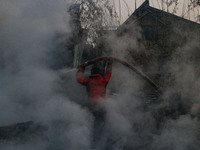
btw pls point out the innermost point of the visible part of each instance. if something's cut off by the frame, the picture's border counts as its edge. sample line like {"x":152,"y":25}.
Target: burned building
{"x":159,"y":36}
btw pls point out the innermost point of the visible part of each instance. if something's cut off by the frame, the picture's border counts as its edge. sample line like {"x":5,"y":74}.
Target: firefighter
{"x":96,"y":83}
{"x":96,"y":88}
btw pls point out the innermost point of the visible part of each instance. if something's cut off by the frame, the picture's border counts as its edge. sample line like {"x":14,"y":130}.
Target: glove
{"x":85,"y":64}
{"x":82,"y":66}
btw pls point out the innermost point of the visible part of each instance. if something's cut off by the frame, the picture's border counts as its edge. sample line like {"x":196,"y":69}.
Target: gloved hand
{"x":82,"y":66}
{"x":85,"y":64}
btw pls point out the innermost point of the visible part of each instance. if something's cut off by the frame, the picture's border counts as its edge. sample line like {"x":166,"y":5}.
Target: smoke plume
{"x":31,"y":90}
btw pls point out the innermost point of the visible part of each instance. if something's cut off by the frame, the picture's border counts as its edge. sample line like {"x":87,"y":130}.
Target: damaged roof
{"x":159,"y":15}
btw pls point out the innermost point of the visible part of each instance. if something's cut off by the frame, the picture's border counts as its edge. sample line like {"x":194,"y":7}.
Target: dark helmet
{"x":97,"y":68}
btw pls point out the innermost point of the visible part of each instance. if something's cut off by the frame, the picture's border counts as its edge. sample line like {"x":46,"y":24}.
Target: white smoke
{"x":27,"y":30}
{"x":168,"y":124}
{"x":178,"y":134}
{"x":29,"y":88}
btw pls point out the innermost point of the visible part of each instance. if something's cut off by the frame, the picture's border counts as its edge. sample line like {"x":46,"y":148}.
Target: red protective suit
{"x":96,"y":84}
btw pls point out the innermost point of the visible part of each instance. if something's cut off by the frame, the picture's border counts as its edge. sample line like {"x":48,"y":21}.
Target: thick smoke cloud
{"x":29,"y":89}
{"x":169,"y":124}
{"x":27,"y":29}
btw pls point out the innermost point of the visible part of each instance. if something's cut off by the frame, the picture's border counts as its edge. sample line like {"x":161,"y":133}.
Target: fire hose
{"x":138,"y":72}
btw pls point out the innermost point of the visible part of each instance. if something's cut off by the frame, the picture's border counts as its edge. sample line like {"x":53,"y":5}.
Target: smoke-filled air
{"x":72,"y":78}
{"x":30,"y":89}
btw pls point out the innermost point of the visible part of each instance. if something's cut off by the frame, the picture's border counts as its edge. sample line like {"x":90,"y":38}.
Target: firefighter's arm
{"x":108,"y":71}
{"x":79,"y":76}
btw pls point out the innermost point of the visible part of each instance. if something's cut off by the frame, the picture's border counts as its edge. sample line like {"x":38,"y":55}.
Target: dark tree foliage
{"x":95,"y":15}
{"x":89,"y":18}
